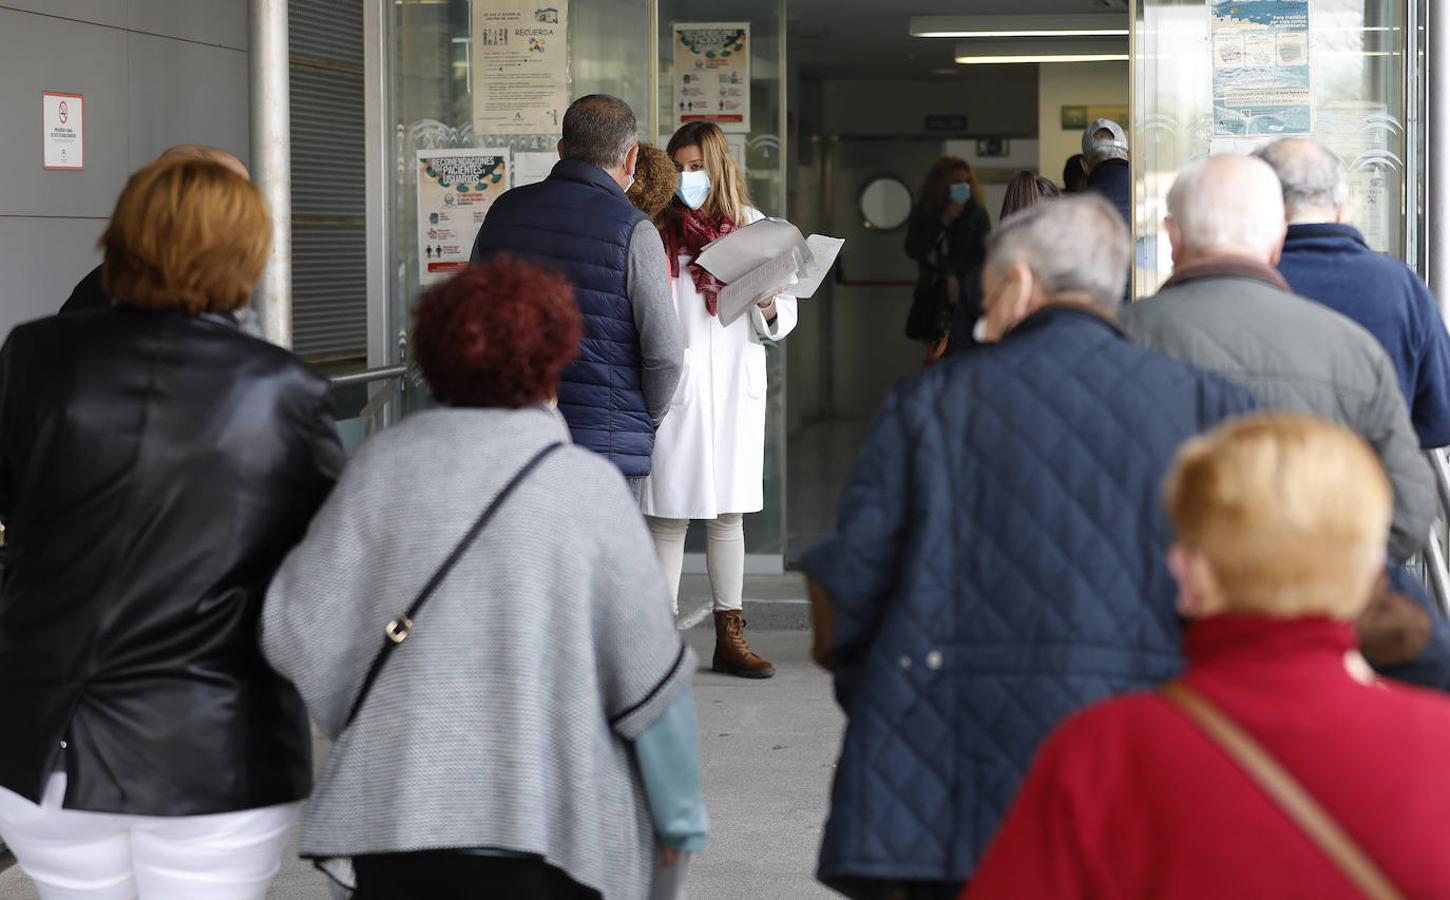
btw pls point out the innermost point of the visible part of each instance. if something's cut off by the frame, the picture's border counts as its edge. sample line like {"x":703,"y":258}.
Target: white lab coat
{"x":709,"y":455}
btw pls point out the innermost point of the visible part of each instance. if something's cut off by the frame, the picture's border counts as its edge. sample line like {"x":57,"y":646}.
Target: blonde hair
{"x":187,"y":234}
{"x":729,"y":195}
{"x":1290,"y":512}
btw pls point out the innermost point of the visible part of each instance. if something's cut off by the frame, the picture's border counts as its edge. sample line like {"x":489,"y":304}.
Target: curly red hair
{"x":497,"y":334}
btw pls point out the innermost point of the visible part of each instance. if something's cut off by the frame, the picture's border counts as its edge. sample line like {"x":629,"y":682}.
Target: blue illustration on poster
{"x":1261,"y":70}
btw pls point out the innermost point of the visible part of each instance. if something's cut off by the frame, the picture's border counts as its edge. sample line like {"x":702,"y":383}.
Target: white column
{"x":272,"y":160}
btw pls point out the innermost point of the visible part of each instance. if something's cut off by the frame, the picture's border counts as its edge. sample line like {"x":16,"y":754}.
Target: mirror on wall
{"x":885,"y":203}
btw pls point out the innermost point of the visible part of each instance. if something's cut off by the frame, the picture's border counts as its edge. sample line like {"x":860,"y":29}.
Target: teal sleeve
{"x":669,"y":762}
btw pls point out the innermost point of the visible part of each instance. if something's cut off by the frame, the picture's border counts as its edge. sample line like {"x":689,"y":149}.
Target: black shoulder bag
{"x":399,"y":628}
{"x":933,"y":299}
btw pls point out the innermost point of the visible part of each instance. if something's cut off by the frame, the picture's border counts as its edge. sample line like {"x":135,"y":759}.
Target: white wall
{"x":1073,"y":84}
{"x":154,"y":73}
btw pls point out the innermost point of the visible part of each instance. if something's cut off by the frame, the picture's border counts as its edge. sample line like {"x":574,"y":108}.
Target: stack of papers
{"x":767,"y":258}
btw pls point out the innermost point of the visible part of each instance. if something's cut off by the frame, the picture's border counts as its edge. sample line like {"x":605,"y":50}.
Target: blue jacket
{"x":1333,"y":265}
{"x":998,"y":564}
{"x":1113,"y":178}
{"x":579,"y":221}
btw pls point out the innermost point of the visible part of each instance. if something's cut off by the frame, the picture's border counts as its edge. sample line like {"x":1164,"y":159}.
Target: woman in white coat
{"x":710,"y":450}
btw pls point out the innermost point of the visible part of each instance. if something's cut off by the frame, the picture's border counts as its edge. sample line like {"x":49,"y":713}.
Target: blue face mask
{"x":694,"y":189}
{"x":960,"y":193}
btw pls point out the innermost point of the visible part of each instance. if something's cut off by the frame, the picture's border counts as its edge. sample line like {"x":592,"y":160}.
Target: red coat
{"x":1130,"y":800}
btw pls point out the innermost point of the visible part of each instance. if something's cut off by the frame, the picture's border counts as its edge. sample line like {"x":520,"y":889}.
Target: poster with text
{"x":455,"y":190}
{"x":712,"y":74}
{"x":1261,"y":77}
{"x":520,"y":66}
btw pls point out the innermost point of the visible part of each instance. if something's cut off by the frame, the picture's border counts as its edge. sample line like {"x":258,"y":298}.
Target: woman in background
{"x":655,"y":180}
{"x":709,"y":454}
{"x":947,"y":236}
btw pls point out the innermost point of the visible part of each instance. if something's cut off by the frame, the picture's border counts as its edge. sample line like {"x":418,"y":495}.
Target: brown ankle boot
{"x":732,"y":655}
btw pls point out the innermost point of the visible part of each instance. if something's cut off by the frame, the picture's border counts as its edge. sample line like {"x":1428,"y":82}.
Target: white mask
{"x":979,"y":331}
{"x":694,"y":189}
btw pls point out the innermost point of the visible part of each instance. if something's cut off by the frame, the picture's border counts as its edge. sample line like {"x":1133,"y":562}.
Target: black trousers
{"x":450,"y":875}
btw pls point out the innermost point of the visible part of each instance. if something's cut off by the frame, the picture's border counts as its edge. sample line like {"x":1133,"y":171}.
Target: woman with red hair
{"x":477,"y":621}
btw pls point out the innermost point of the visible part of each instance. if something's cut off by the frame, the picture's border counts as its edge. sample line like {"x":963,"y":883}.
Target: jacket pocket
{"x":755,"y":370}
{"x":682,"y":390}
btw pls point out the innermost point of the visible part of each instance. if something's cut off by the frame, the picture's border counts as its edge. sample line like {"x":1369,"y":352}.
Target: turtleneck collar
{"x":1267,"y":638}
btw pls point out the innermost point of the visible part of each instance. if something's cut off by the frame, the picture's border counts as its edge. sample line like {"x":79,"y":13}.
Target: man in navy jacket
{"x":1327,"y":259}
{"x":999,"y":557}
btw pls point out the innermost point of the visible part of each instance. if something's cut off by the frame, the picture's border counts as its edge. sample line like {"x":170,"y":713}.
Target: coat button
{"x":934,"y":660}
{"x":63,"y":745}
{"x":905,"y":662}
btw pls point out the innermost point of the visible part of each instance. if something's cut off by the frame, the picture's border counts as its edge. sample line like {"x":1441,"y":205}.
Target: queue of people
{"x":196,"y":580}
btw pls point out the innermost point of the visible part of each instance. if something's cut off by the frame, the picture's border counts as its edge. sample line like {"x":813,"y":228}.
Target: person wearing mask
{"x":998,"y":561}
{"x":156,"y":465}
{"x":1326,"y":259}
{"x":580,"y":221}
{"x":1105,"y":155}
{"x":1281,"y":524}
{"x":531,"y":732}
{"x":1024,"y":191}
{"x":655,"y":181}
{"x":1226,"y":309}
{"x":1074,"y":174}
{"x":709,"y":459}
{"x":947,"y":237}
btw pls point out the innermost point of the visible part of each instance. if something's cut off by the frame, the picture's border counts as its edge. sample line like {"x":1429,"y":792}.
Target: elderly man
{"x":88,"y":292}
{"x":999,"y":559}
{"x":580,"y":221}
{"x":1326,"y":259}
{"x":1226,"y":309}
{"x":1105,"y":156}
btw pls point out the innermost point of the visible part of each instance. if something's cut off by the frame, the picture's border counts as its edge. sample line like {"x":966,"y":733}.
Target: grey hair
{"x":599,"y":130}
{"x":1228,"y":203}
{"x":1076,"y":245}
{"x":1313,"y":176}
{"x":1102,"y":151}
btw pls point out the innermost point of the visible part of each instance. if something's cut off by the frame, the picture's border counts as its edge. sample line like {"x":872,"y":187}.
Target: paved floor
{"x":768,"y":751}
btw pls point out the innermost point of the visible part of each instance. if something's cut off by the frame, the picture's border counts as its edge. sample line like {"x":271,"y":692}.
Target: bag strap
{"x":1276,"y":781}
{"x":399,"y":628}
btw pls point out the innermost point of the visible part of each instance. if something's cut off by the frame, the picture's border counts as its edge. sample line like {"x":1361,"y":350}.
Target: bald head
{"x":1226,"y":206}
{"x":211,"y":154}
{"x":1315,"y":185}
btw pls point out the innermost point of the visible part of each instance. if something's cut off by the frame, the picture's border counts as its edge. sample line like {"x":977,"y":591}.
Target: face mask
{"x":694,"y":189}
{"x":961,"y":193}
{"x":979,"y":331}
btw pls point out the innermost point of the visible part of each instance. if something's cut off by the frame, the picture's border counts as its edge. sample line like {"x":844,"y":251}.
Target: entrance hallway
{"x":767,"y":753}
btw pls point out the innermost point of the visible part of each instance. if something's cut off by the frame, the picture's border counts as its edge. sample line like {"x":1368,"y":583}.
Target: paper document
{"x":738,"y":296}
{"x":532,"y":168}
{"x":769,"y":249}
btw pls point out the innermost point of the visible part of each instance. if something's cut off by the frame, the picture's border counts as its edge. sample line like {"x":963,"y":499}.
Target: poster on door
{"x":520,"y":66}
{"x":455,"y":190}
{"x":712,"y":74}
{"x":1261,"y":74}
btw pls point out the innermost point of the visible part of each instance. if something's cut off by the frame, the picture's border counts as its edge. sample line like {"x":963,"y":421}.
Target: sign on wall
{"x":64,"y":121}
{"x":455,"y":190}
{"x":1261,"y":75}
{"x":712,"y":74}
{"x":520,"y":66}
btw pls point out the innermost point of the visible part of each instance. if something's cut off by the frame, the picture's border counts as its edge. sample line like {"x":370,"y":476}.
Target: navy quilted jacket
{"x":998,"y":564}
{"x":579,"y":222}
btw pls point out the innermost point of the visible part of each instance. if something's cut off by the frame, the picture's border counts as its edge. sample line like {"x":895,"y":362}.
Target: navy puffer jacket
{"x":998,"y":564}
{"x":579,"y":222}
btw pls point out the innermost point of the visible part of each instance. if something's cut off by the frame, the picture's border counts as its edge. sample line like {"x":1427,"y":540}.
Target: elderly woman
{"x":156,"y":465}
{"x":526,"y":723}
{"x":1281,"y":533}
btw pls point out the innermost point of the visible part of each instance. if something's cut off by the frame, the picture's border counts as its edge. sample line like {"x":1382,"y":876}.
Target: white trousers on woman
{"x":79,"y":855}
{"x":724,"y":556}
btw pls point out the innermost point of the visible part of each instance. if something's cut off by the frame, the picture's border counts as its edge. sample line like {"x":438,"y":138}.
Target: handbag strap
{"x":399,"y":628}
{"x":1285,"y":790}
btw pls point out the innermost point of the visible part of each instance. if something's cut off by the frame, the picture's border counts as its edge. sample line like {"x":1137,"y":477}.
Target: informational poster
{"x":712,"y":74}
{"x":63,"y":120}
{"x":455,"y":190}
{"x":1261,"y":75}
{"x":532,"y":167}
{"x":520,"y":66}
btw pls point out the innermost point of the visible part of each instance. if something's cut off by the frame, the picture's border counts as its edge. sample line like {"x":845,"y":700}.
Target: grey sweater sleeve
{"x":661,"y":343}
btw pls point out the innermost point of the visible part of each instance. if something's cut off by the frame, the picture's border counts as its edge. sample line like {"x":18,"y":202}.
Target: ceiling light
{"x":1042,"y":58}
{"x":983,"y":52}
{"x":1066,"y":26}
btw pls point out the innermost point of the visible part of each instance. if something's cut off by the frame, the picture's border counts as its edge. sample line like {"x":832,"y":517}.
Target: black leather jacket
{"x":154,"y":471}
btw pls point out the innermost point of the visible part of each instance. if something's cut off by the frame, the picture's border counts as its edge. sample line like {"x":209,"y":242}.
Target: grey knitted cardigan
{"x":505,"y":719}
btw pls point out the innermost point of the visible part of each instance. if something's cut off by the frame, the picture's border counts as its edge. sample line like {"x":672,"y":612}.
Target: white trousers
{"x":724,"y":556}
{"x":79,"y":855}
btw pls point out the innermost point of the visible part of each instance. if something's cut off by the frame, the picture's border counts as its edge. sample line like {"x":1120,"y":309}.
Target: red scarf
{"x":688,"y":233}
